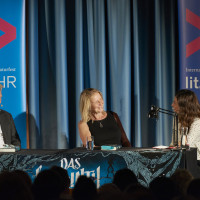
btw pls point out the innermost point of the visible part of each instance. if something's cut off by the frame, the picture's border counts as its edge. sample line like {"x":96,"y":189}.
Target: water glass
{"x":90,"y":142}
{"x":184,"y":139}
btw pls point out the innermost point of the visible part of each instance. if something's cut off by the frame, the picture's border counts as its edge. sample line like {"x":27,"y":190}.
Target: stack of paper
{"x":161,"y":147}
{"x":9,"y":148}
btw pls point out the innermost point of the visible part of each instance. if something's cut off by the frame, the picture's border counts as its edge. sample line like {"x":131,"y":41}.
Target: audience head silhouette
{"x":47,"y":185}
{"x":107,"y":191}
{"x":13,"y":187}
{"x":182,"y":179}
{"x":123,"y":178}
{"x":64,"y":176}
{"x":138,"y":191}
{"x":163,"y":188}
{"x":24,"y":176}
{"x":194,"y":188}
{"x":84,"y":188}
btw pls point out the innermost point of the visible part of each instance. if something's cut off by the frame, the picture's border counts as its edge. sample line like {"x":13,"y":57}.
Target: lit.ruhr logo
{"x":9,"y":33}
{"x":194,"y":45}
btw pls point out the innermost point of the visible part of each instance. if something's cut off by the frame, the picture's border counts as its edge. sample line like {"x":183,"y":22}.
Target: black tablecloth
{"x":146,"y":163}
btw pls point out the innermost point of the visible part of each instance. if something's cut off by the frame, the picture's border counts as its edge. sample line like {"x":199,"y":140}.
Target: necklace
{"x":100,"y":125}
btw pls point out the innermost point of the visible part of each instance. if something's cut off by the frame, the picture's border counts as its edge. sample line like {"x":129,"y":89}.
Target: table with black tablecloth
{"x":146,"y":163}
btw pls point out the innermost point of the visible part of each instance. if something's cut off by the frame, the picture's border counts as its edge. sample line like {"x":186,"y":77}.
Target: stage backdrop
{"x":125,"y":48}
{"x":13,"y":63}
{"x":189,"y":39}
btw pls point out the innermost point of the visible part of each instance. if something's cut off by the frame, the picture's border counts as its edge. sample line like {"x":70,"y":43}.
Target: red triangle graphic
{"x":9,"y":33}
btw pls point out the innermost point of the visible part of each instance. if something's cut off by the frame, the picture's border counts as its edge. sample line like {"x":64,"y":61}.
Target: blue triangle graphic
{"x":1,"y":33}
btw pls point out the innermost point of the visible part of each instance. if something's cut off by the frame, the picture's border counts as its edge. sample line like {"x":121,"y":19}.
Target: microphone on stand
{"x":153,"y":113}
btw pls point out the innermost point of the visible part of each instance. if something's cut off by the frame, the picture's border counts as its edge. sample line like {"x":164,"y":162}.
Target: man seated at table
{"x":8,"y":132}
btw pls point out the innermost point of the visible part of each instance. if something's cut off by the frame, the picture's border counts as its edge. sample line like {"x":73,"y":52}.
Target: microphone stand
{"x":153,"y":113}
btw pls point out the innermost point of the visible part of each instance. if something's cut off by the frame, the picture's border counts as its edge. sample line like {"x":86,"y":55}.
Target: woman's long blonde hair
{"x":85,"y":104}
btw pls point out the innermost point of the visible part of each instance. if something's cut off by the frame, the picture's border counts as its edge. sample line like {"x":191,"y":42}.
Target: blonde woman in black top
{"x":105,"y":126}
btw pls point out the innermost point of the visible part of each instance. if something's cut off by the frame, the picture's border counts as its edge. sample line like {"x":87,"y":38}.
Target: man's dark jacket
{"x":10,"y":134}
